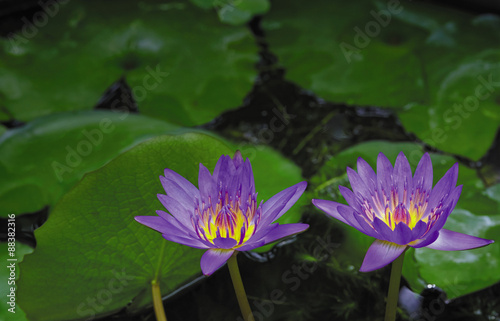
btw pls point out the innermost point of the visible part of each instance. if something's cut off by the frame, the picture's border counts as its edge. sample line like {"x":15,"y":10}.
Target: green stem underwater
{"x":393,"y":294}
{"x":234,"y":271}
{"x":157,"y":302}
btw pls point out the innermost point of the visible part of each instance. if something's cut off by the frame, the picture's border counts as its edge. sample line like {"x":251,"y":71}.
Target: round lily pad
{"x":181,"y":63}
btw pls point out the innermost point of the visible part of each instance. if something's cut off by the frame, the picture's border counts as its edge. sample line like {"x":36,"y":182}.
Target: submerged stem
{"x":234,"y":271}
{"x":393,"y":294}
{"x":157,"y":302}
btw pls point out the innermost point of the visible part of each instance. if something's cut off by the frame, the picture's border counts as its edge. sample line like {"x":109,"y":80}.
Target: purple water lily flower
{"x":400,"y":210}
{"x":223,"y":215}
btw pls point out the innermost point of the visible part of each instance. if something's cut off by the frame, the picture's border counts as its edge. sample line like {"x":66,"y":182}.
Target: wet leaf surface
{"x":87,"y":47}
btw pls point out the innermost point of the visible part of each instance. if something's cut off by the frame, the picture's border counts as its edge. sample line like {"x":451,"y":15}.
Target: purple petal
{"x":285,"y":230}
{"x":446,"y":210}
{"x":171,"y":220}
{"x":251,"y":245}
{"x":281,"y":202}
{"x":224,"y":243}
{"x":418,"y":230}
{"x":158,"y":224}
{"x":243,"y":181}
{"x":439,"y":223}
{"x":451,"y":201}
{"x":442,"y":189}
{"x":364,"y":226}
{"x":453,"y":198}
{"x":380,"y":254}
{"x":402,"y":234}
{"x":237,"y":159}
{"x":261,"y":232}
{"x":384,"y":230}
{"x":402,"y":178}
{"x":170,"y":232}
{"x":177,"y":209}
{"x":367,"y":174}
{"x":346,"y":215}
{"x":357,"y":184}
{"x":384,"y":174}
{"x":330,"y":208}
{"x":455,"y":241}
{"x":191,"y":242}
{"x":183,"y":183}
{"x":428,"y":239}
{"x":423,"y":174}
{"x":207,"y":185}
{"x":350,"y":198}
{"x":174,"y":190}
{"x":224,"y":170}
{"x":214,"y":259}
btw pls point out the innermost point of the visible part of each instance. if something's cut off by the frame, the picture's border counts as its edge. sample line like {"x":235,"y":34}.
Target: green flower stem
{"x":157,"y":302}
{"x":393,"y":295}
{"x":239,"y":289}
{"x":155,"y":287}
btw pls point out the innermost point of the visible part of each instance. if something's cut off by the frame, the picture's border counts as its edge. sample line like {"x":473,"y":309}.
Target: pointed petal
{"x":365,"y":227}
{"x":384,"y":174}
{"x":423,"y":174}
{"x":357,"y":184}
{"x":213,"y":259}
{"x":446,"y":210}
{"x":402,"y":178}
{"x":224,"y":243}
{"x":380,"y":254}
{"x":261,"y":232}
{"x":250,"y":245}
{"x":183,"y":183}
{"x":172,"y":220}
{"x":191,"y":242}
{"x":173,"y":189}
{"x":450,"y":202}
{"x":207,"y":185}
{"x":237,"y":159}
{"x":177,"y":209}
{"x":428,"y":239}
{"x":281,"y":202}
{"x":384,"y":230}
{"x":224,"y":170}
{"x":418,"y":231}
{"x":452,"y":199}
{"x":243,"y":181}
{"x":284,"y":230}
{"x":455,"y":241}
{"x":345,"y":214}
{"x":159,"y":224}
{"x":443,"y":188}
{"x":350,"y":198}
{"x":330,"y":208}
{"x":367,"y":174}
{"x":402,"y":234}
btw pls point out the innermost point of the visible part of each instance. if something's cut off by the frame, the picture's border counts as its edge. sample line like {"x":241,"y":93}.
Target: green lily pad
{"x":412,"y":57}
{"x":93,"y":256}
{"x":8,"y":282}
{"x":476,"y":214}
{"x":181,"y":63}
{"x":49,"y":155}
{"x":92,"y":248}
